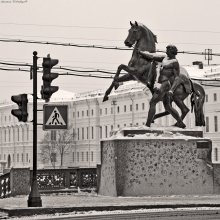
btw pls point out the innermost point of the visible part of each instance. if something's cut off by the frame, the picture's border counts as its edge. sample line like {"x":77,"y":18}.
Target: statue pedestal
{"x":155,"y":164}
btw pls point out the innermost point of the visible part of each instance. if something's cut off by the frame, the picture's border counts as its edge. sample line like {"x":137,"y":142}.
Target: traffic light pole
{"x":34,"y":199}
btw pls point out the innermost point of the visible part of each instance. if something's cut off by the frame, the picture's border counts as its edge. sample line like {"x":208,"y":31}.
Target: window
{"x":22,"y":134}
{"x":9,"y":134}
{"x":136,"y":107}
{"x":18,"y":134}
{"x":206,"y":98}
{"x":92,"y":132}
{"x":106,"y":111}
{"x":26,"y":157}
{"x":78,"y":133}
{"x":27,"y":133}
{"x":78,"y":114}
{"x":53,"y":157}
{"x":87,"y":156}
{"x":82,"y":133}
{"x":22,"y":157}
{"x":87,"y":112}
{"x":112,"y":127}
{"x":82,"y":113}
{"x":92,"y":156}
{"x":216,"y":123}
{"x":53,"y":136}
{"x":87,"y":133}
{"x":6,"y":134}
{"x":92,"y":112}
{"x":143,"y":106}
{"x":106,"y":131}
{"x":73,"y":156}
{"x":77,"y":156}
{"x":215,"y":97}
{"x":73,"y":114}
{"x":118,"y":109}
{"x":131,"y":108}
{"x":216,"y":154}
{"x":17,"y":157}
{"x":207,"y":124}
{"x":82,"y":154}
{"x":111,"y":110}
{"x":100,"y":111}
{"x":124,"y":108}
{"x":100,"y":131}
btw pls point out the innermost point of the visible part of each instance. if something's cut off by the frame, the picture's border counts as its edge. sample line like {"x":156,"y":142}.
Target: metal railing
{"x":55,"y":179}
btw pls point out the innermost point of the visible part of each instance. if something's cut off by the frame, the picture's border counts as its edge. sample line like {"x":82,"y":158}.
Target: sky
{"x":192,"y":25}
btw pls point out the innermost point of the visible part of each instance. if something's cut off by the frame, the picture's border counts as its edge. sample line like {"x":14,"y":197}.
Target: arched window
{"x":18,"y":133}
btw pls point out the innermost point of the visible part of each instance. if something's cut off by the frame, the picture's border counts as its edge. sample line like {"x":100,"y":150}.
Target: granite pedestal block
{"x":159,"y":164}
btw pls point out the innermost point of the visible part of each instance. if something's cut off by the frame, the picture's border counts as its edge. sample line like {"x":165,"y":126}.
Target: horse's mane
{"x":149,"y":31}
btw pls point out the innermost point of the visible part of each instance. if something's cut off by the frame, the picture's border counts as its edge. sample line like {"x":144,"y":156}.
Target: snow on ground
{"x":92,"y":199}
{"x":95,"y":213}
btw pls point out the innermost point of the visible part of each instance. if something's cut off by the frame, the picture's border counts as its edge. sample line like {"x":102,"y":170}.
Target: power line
{"x":102,"y":27}
{"x":92,"y":46}
{"x":63,"y":44}
{"x":96,"y":39}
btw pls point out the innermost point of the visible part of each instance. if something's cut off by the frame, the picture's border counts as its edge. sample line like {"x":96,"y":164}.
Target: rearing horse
{"x":138,"y":68}
{"x":144,"y":71}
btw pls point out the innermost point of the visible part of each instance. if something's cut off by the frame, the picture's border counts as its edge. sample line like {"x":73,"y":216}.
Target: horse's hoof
{"x":116,"y":85}
{"x":180,"y":125}
{"x":105,"y":98}
{"x":147,"y":125}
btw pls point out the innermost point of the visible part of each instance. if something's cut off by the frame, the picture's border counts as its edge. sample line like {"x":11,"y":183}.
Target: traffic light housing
{"x":21,"y":113}
{"x":47,"y":90}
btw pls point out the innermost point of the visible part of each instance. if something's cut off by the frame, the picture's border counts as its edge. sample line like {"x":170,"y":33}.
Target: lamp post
{"x":34,"y":199}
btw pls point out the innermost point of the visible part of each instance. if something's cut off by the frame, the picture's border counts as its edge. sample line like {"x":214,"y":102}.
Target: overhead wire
{"x":102,"y":27}
{"x":93,"y":46}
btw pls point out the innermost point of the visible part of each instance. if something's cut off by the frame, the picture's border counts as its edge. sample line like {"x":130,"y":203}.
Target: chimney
{"x":199,"y":64}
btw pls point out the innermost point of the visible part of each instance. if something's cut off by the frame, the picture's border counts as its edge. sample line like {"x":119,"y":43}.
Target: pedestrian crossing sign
{"x":55,"y":117}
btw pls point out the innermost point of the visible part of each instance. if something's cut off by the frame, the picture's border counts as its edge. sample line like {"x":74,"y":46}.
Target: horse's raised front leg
{"x":116,"y":79}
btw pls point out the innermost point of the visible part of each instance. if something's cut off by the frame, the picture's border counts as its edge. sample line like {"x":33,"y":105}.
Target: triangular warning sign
{"x":55,"y":118}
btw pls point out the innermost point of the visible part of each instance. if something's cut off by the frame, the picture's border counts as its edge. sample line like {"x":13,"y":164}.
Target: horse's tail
{"x":197,"y":102}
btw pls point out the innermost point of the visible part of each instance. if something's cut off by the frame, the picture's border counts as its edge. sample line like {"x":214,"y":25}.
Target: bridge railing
{"x":54,"y":179}
{"x":5,"y":189}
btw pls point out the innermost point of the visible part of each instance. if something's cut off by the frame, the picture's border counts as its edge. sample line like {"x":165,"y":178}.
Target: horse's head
{"x":133,"y":35}
{"x":139,"y":32}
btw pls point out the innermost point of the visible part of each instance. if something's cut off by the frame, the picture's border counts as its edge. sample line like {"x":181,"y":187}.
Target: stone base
{"x":138,"y":166}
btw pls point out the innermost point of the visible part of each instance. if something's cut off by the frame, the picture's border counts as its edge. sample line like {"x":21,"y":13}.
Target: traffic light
{"x":47,"y":90}
{"x":21,"y":113}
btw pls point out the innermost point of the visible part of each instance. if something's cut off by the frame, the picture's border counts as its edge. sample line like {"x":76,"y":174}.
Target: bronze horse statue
{"x":143,"y":70}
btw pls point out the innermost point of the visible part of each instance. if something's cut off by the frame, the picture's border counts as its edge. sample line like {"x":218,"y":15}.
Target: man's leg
{"x":157,"y":96}
{"x":175,"y":84}
{"x":168,"y":107}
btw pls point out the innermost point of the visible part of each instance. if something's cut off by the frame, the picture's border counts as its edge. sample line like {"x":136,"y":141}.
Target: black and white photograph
{"x":109,"y":109}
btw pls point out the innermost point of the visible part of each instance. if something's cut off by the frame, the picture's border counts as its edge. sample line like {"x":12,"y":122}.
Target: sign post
{"x":34,"y":199}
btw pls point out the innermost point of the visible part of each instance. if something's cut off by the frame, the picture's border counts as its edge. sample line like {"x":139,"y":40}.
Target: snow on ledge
{"x":167,"y":133}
